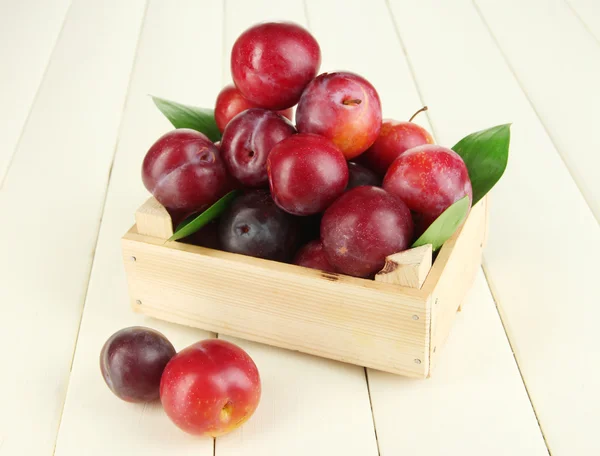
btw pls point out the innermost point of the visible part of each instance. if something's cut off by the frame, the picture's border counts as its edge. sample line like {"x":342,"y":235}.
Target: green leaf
{"x":445,"y":225}
{"x":184,"y":116}
{"x":486,"y":154}
{"x":196,"y":221}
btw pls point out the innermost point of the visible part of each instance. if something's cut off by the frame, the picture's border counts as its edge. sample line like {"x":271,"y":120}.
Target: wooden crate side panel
{"x":375,"y":325}
{"x":462,"y":259}
{"x":152,"y":219}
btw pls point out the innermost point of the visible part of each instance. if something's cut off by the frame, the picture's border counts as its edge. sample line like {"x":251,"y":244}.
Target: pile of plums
{"x":338,"y":190}
{"x":208,"y":388}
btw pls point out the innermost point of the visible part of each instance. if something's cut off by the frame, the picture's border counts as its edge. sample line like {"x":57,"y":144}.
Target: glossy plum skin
{"x":132,"y":361}
{"x":362,"y":227}
{"x":247,"y":141}
{"x":210,"y":388}
{"x":184,"y":171}
{"x":428,"y":179}
{"x":231,"y":102}
{"x":272,"y":62}
{"x":359,"y":175}
{"x":312,"y":255}
{"x":394,"y":139}
{"x":306,"y":174}
{"x":253,"y":225}
{"x":343,"y":107}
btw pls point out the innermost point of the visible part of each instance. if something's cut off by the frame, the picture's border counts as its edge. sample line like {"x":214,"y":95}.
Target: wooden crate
{"x":396,"y":323}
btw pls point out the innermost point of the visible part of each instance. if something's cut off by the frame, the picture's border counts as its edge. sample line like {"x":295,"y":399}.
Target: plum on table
{"x":132,"y":361}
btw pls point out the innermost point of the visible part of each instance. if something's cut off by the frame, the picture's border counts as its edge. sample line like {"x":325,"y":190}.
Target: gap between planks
{"x":35,"y":97}
{"x":582,"y":22}
{"x":495,"y":299}
{"x":92,"y":263}
{"x":483,"y":266}
{"x":533,"y":107}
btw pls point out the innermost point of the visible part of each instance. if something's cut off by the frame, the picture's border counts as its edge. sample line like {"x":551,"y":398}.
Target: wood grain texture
{"x":353,"y":320}
{"x":461,"y":259}
{"x":408,"y":268}
{"x":94,"y":421}
{"x":28,"y":34}
{"x":476,"y":382}
{"x":51,"y":204}
{"x":564,"y":96}
{"x":588,"y":12}
{"x":379,"y":57}
{"x":549,"y":306}
{"x":152,"y":219}
{"x":341,"y":395}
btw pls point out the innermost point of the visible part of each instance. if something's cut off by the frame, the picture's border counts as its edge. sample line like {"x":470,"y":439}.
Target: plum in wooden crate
{"x":396,"y":323}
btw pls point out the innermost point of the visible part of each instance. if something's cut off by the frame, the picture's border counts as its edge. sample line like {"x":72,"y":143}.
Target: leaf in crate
{"x":196,"y":221}
{"x":445,"y":225}
{"x":486,"y":154}
{"x":184,"y":116}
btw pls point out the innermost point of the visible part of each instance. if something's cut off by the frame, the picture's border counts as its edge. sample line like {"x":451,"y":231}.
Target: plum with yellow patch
{"x":210,"y":388}
{"x":394,"y":139}
{"x":343,"y":107}
{"x":428,"y":179}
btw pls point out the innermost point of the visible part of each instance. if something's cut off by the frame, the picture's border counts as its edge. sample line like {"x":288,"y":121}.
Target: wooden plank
{"x":51,"y":205}
{"x":559,"y":70}
{"x":367,"y":323}
{"x":367,"y":44}
{"x":408,"y":268}
{"x":94,"y":419}
{"x":461,"y":259}
{"x":474,"y":405}
{"x":152,"y":219}
{"x":548,"y":305}
{"x":326,"y":409}
{"x":588,"y":12}
{"x":28,"y":35}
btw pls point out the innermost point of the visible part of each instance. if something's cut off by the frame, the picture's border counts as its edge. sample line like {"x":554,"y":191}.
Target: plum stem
{"x":352,"y":102}
{"x":423,"y":109}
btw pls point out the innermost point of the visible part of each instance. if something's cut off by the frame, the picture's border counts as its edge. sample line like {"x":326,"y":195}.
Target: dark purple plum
{"x":362,"y":227}
{"x":247,"y":141}
{"x":359,"y":175}
{"x":253,"y":225}
{"x":207,"y":236}
{"x":132,"y":362}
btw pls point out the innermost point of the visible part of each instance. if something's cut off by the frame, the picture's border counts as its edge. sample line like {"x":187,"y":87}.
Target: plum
{"x":184,"y":171}
{"x":210,"y":388}
{"x":343,"y":107}
{"x":359,"y":175}
{"x":231,"y":102}
{"x":362,"y":227}
{"x":272,"y":62}
{"x":247,"y":141}
{"x":306,"y":173}
{"x":394,"y":139}
{"x":428,"y":179}
{"x":254,"y":225}
{"x":312,"y":255}
{"x":132,"y":361}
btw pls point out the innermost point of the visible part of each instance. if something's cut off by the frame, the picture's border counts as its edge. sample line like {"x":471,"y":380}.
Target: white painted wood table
{"x":520,"y":372}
